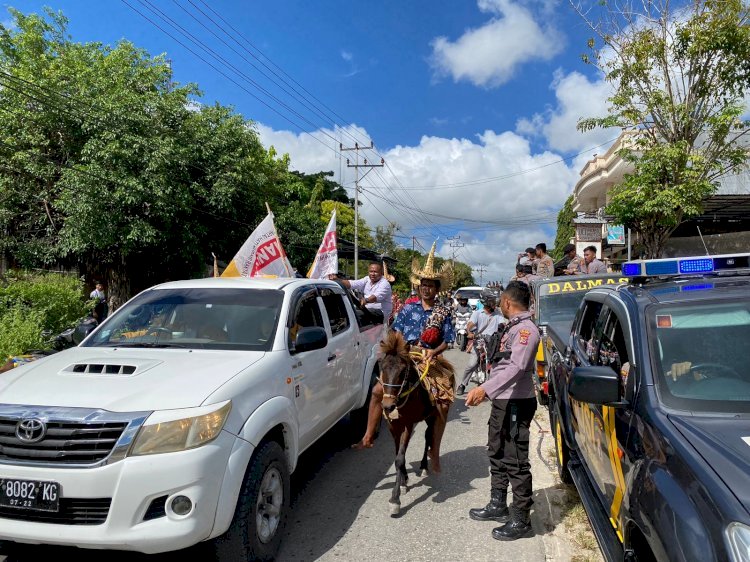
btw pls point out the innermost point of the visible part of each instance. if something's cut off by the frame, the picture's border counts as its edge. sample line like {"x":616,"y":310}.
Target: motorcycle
{"x":482,"y":372}
{"x":462,"y":334}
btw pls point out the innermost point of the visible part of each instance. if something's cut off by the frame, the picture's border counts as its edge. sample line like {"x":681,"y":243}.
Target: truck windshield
{"x":227,"y":319}
{"x":558,"y":310}
{"x":697,"y":355}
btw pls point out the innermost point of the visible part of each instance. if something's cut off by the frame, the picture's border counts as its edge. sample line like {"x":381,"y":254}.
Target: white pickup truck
{"x":180,"y":418}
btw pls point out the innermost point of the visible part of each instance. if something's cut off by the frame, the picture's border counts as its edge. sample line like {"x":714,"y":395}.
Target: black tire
{"x":562,"y":453}
{"x":464,"y":342}
{"x":243,"y":541}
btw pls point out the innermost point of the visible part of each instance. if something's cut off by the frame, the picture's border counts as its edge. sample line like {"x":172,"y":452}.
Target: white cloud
{"x":489,"y":55}
{"x":577,"y":97}
{"x":525,"y":204}
{"x":346,"y":55}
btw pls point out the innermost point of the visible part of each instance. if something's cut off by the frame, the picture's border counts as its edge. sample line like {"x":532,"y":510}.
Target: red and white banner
{"x":327,"y":259}
{"x":261,"y":255}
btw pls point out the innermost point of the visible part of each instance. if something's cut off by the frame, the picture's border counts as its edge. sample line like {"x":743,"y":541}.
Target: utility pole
{"x":356,"y":167}
{"x":455,"y":244}
{"x":481,"y":269}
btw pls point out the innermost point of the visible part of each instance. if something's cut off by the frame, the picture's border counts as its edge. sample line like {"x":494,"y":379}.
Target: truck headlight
{"x":738,"y":536}
{"x":168,"y":436}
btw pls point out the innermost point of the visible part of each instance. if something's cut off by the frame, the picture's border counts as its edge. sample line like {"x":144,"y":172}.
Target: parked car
{"x":180,"y":418}
{"x":650,"y":409}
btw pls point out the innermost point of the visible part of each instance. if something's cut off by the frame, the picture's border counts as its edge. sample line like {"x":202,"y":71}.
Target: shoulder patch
{"x":523,"y":336}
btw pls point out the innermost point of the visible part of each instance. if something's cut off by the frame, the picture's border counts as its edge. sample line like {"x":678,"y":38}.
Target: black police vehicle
{"x":650,"y":410}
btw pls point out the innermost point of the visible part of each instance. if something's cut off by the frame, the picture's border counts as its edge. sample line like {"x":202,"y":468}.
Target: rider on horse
{"x":427,"y":327}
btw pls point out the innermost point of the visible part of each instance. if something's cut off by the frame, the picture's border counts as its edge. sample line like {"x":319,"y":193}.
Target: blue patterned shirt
{"x":413,"y":318}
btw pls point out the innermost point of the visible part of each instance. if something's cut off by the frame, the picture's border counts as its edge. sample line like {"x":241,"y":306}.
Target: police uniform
{"x":511,"y":389}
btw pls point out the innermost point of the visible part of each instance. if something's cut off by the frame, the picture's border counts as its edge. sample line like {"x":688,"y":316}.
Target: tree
{"x":110,"y":166}
{"x":565,"y":228}
{"x":679,"y":77}
{"x":384,"y":242}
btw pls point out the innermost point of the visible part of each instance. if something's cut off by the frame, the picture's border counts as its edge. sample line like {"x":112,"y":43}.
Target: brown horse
{"x":406,"y":402}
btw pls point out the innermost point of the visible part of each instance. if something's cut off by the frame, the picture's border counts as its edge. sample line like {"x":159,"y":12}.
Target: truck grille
{"x":91,"y":511}
{"x":64,"y":442}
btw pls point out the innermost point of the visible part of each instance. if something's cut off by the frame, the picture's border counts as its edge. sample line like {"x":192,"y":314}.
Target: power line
{"x":225,"y":75}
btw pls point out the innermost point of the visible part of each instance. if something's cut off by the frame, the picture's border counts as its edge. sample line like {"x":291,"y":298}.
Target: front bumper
{"x":133,"y":484}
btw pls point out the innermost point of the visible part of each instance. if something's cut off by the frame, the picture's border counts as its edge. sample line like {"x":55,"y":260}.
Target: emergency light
{"x":686,"y":266}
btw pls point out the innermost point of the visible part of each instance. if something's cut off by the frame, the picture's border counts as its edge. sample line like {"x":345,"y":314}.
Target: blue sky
{"x":473,"y":104}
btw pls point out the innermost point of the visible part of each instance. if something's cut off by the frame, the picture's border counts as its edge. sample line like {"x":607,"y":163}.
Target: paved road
{"x":340,"y":501}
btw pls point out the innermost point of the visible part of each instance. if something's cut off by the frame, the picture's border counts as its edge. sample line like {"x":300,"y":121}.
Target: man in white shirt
{"x":375,"y":288}
{"x":483,"y":323}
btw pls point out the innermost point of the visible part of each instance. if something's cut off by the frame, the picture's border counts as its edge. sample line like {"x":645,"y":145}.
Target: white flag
{"x":261,"y":255}
{"x":327,"y":259}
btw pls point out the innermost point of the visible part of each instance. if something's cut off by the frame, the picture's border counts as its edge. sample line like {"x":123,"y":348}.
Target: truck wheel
{"x":260,"y":516}
{"x":562,"y":454}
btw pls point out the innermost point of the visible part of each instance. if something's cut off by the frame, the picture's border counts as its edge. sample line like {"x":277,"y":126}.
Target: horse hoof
{"x":395,"y":509}
{"x":404,"y":489}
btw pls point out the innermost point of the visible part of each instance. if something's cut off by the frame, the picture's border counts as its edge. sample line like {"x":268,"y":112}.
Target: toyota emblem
{"x":31,"y":430}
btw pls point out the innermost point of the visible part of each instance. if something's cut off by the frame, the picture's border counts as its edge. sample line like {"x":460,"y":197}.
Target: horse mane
{"x":395,"y":344}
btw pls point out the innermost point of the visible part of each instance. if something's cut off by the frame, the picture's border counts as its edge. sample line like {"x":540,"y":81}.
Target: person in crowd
{"x":524,"y":274}
{"x":375,"y":288}
{"x":483,"y":323}
{"x":569,"y":262}
{"x":590,"y":264}
{"x":545,"y":267}
{"x":527,"y":257}
{"x":101,"y":300}
{"x":511,"y":390}
{"x":413,"y":298}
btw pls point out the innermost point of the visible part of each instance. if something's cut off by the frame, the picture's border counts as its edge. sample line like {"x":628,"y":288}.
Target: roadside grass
{"x":576,"y":523}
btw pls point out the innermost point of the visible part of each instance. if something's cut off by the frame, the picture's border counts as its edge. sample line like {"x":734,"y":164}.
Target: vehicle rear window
{"x":696,"y":353}
{"x":230,"y":319}
{"x":468,"y":294}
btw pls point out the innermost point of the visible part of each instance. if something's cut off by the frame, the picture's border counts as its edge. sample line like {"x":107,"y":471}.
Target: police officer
{"x":511,"y":389}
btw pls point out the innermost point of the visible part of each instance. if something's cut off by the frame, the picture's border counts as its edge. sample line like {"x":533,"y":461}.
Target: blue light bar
{"x":661,"y":267}
{"x":687,"y":266}
{"x":698,"y":265}
{"x":631,"y":269}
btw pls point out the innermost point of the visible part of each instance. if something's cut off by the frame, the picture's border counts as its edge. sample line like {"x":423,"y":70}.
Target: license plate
{"x":30,"y":494}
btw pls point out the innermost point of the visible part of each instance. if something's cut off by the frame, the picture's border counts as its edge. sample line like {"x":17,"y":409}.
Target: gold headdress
{"x":388,"y":277}
{"x":444,"y":274}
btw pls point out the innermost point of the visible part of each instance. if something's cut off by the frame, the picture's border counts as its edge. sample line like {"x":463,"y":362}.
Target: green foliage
{"x":565,"y":228}
{"x":21,"y":331}
{"x":110,"y":165}
{"x":679,"y":79}
{"x":33,"y":303}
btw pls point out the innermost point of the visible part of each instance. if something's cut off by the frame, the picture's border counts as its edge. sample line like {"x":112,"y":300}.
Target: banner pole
{"x":278,"y":242}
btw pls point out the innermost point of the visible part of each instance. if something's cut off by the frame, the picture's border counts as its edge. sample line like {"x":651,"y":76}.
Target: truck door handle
{"x":331,"y":357}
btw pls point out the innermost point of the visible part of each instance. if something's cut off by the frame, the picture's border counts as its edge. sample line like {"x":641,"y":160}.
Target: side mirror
{"x":309,"y":339}
{"x":595,"y":385}
{"x":82,"y":331}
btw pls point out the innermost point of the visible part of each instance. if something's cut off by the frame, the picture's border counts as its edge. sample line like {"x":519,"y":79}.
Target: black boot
{"x":519,"y":526}
{"x":496,"y":510}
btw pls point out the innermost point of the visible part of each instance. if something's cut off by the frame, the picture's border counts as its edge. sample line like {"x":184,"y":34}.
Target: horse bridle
{"x":401,"y":393}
